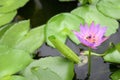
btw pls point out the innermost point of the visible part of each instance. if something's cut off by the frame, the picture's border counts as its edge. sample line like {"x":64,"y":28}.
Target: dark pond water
{"x":40,"y":11}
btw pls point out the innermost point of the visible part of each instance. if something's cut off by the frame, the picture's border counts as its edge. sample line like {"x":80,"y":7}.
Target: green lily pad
{"x":11,"y":5}
{"x":109,"y":8}
{"x":42,"y":72}
{"x":14,"y":33}
{"x":7,"y":17}
{"x":12,"y":60}
{"x":62,"y":25}
{"x":16,"y":44}
{"x":13,"y":78}
{"x":55,"y":66}
{"x":4,"y":29}
{"x":21,"y":37}
{"x":117,"y":46}
{"x":112,"y":55}
{"x":115,"y":75}
{"x":32,"y":40}
{"x":90,"y":13}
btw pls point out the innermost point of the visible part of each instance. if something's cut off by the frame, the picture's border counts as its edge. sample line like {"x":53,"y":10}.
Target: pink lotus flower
{"x":91,"y":36}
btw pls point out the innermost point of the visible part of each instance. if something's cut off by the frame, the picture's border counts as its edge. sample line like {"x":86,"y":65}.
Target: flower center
{"x":90,"y":39}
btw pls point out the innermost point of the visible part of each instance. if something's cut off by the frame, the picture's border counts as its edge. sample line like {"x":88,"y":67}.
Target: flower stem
{"x":94,"y":54}
{"x":89,"y":62}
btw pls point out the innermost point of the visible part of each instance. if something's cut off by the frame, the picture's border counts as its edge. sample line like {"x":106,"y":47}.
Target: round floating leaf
{"x":62,"y":25}
{"x":15,"y":33}
{"x":110,"y":8}
{"x":18,"y":36}
{"x":13,"y":78}
{"x":32,"y":40}
{"x":112,"y":55}
{"x":7,"y":17}
{"x":116,"y":75}
{"x":12,"y":60}
{"x":10,"y":5}
{"x":90,"y":13}
{"x":42,"y":72}
{"x":55,"y":66}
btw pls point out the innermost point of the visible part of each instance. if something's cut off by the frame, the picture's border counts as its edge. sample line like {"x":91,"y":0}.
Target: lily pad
{"x":112,"y":55}
{"x":14,"y":33}
{"x":7,"y":17}
{"x":4,"y":29}
{"x":12,"y":60}
{"x":16,"y":44}
{"x":13,"y":78}
{"x":32,"y":40}
{"x":55,"y":66}
{"x":109,"y":8}
{"x":116,"y":75}
{"x":42,"y":72}
{"x":11,"y":5}
{"x":90,"y":13}
{"x":23,"y":39}
{"x":62,"y":25}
